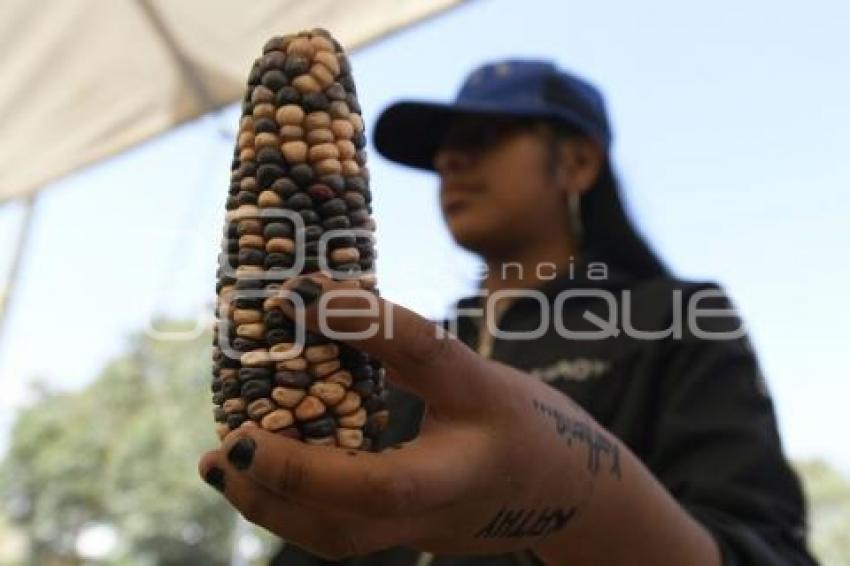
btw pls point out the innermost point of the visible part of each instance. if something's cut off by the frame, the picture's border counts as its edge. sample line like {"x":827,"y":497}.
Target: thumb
{"x":424,"y":358}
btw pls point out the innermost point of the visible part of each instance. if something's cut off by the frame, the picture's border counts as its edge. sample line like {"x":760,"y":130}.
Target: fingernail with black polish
{"x":308,"y":290}
{"x":215,"y":477}
{"x":242,"y":453}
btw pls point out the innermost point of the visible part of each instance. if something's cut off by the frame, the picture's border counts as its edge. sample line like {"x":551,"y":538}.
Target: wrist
{"x":591,"y":481}
{"x":629,"y":518}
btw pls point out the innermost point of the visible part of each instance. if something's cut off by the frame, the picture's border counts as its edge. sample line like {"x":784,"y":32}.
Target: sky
{"x":731,"y":124}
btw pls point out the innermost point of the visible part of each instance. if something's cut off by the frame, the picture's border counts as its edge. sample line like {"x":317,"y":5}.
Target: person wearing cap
{"x":585,"y":407}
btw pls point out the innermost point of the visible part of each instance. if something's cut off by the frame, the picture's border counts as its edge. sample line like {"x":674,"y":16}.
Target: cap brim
{"x":410,"y":132}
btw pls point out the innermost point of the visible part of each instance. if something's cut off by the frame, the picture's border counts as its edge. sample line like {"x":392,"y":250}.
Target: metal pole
{"x":24,"y":233}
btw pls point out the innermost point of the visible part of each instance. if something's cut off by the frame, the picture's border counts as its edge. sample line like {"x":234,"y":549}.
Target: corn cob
{"x":298,"y":173}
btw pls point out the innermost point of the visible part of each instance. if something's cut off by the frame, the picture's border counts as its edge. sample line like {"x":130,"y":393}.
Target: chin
{"x":471,"y":236}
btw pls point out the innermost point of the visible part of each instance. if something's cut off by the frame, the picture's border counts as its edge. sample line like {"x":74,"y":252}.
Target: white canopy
{"x":84,"y":79}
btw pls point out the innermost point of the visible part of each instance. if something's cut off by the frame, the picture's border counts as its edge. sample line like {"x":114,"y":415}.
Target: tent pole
{"x":24,"y":233}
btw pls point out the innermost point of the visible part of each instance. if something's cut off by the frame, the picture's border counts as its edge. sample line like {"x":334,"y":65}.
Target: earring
{"x":574,"y":203}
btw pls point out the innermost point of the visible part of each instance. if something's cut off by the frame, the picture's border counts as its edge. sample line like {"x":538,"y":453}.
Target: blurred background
{"x":731,"y":122}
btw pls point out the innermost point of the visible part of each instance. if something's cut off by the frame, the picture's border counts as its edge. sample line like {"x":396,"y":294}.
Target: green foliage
{"x":828,"y":497}
{"x":122,"y":452}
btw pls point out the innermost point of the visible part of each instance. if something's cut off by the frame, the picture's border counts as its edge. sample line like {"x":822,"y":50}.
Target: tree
{"x":828,"y":498}
{"x":122,"y":452}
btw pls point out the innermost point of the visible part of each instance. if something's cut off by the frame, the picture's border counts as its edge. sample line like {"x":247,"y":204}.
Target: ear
{"x":579,"y":164}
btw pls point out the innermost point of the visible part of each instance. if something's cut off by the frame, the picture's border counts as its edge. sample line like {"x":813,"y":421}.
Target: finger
{"x":423,"y":475}
{"x":254,"y":502}
{"x":426,"y":359}
{"x":329,"y":536}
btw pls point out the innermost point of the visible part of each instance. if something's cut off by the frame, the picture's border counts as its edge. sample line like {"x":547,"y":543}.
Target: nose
{"x":453,"y":161}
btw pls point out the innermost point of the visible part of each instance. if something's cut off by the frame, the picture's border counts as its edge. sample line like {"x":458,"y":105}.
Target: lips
{"x":454,"y":203}
{"x":456,"y":196}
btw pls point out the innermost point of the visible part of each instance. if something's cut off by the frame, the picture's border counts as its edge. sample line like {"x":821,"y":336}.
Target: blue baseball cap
{"x":410,"y":132}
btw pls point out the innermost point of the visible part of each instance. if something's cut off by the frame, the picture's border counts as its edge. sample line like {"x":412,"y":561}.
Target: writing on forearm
{"x":575,"y":430}
{"x":516,"y":523}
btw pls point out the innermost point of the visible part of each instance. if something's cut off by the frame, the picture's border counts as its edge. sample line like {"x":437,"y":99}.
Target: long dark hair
{"x":610,"y":235}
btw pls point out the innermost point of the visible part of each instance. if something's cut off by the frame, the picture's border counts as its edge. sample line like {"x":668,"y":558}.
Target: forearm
{"x":628,"y":517}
